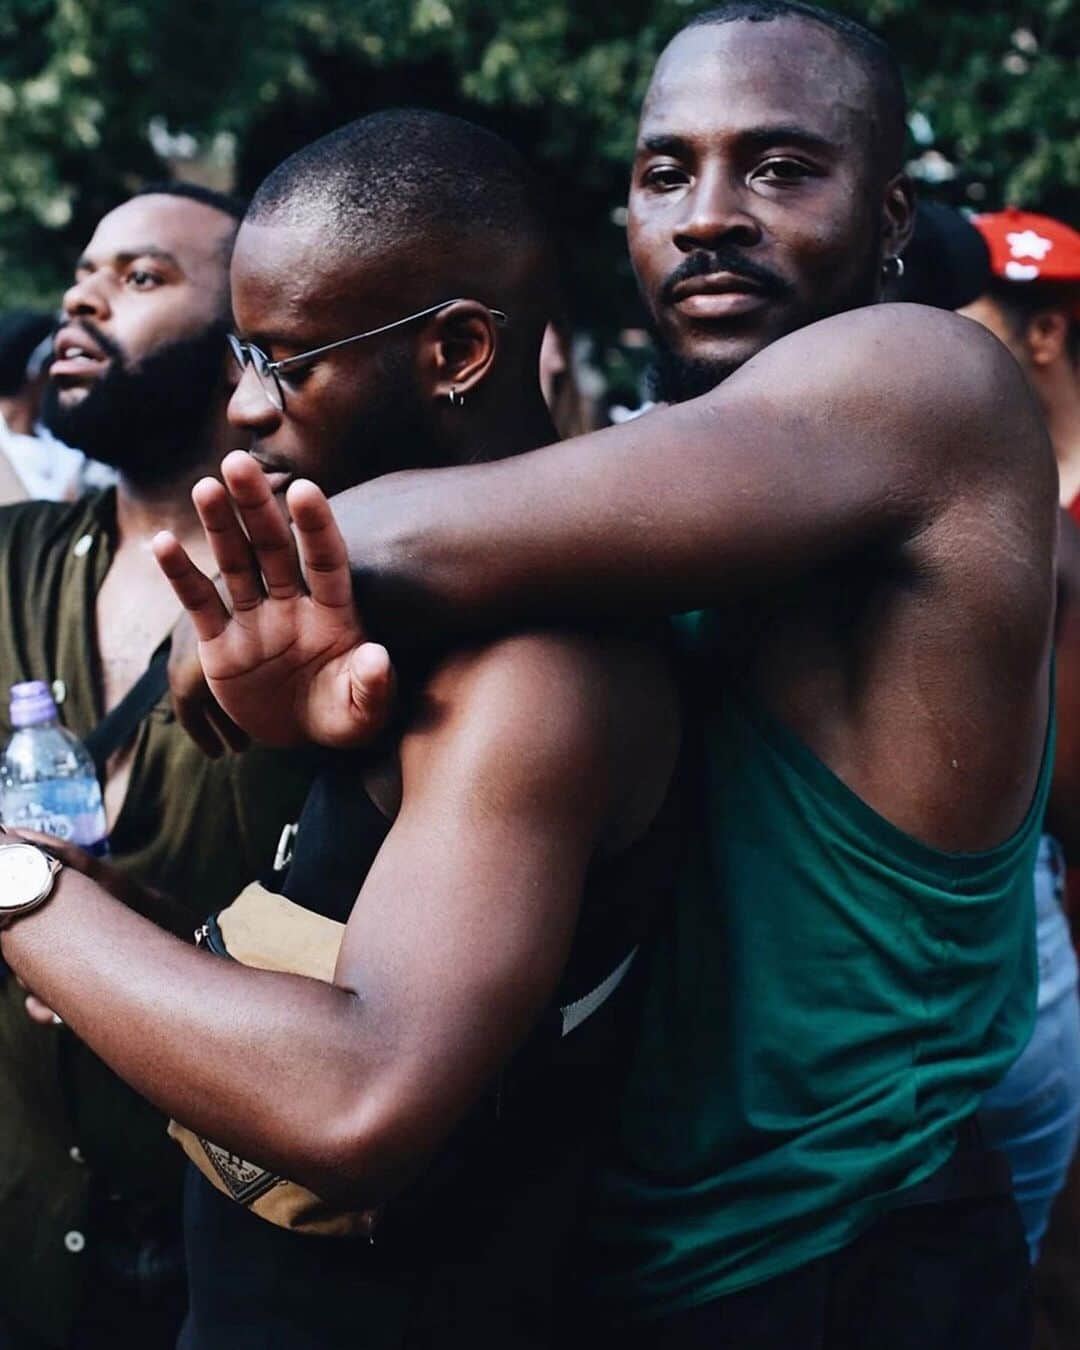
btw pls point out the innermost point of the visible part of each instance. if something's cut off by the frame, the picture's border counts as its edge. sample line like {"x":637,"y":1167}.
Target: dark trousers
{"x":952,"y":1275}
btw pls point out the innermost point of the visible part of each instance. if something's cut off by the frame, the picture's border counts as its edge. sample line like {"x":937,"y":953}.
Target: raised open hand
{"x":290,"y":664}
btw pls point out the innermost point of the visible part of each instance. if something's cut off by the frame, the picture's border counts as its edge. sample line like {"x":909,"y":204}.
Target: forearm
{"x":268,"y":1065}
{"x":681,"y":509}
{"x":594,"y":528}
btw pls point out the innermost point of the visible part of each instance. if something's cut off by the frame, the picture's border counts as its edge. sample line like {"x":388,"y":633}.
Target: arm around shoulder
{"x":851,"y":432}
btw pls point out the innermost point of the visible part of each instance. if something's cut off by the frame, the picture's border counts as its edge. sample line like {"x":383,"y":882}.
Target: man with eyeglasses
{"x":859,"y":502}
{"x":390,"y":1119}
{"x":90,"y":1188}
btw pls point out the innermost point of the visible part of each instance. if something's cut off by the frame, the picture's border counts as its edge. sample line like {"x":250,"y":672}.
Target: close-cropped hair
{"x":174,"y":187}
{"x":381,"y":179}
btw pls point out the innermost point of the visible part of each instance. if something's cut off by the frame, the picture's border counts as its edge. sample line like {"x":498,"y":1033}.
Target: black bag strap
{"x":118,"y":726}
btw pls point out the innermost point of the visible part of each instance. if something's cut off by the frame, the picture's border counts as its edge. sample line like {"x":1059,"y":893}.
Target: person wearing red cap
{"x":1033,"y":306}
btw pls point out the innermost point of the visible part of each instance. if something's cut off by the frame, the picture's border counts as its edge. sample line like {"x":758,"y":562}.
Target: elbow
{"x":361,"y":1157}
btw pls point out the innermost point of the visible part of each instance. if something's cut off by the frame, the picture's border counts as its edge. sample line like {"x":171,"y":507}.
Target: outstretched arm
{"x":852,"y":432}
{"x":852,"y":437}
{"x":455,"y":944}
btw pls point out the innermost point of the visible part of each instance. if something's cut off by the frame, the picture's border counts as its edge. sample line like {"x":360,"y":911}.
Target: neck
{"x":144,"y":509}
{"x":506,"y":426}
{"x":18,"y":414}
{"x":1059,"y":396}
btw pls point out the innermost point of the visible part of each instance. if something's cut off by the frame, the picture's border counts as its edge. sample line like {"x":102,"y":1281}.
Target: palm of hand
{"x":280,"y":669}
{"x":289,"y":661}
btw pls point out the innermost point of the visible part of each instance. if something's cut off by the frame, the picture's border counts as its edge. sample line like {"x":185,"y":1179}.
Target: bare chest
{"x":135,"y":611}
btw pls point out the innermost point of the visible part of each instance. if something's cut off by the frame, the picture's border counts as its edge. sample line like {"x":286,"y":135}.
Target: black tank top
{"x":470,"y":1255}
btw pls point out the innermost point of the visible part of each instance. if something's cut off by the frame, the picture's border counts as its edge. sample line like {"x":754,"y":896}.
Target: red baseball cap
{"x":1027,"y":247}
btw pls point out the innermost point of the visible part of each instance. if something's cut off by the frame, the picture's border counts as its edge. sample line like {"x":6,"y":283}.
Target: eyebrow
{"x":129,"y":255}
{"x":266,"y":342}
{"x":666,"y":143}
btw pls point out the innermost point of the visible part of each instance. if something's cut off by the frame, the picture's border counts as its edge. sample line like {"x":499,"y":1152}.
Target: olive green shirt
{"x":196,"y":829}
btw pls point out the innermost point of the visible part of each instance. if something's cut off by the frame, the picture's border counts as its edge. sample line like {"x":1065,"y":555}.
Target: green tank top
{"x":829,"y":1002}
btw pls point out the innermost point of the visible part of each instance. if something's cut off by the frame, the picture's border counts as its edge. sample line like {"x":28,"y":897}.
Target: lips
{"x":719,"y":296}
{"x":75,"y":354}
{"x":277,"y":479}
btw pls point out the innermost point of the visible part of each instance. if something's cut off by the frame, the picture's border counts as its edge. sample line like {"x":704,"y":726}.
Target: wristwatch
{"x":27,"y":878}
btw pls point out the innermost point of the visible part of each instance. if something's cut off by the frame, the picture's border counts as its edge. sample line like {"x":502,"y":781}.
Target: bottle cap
{"x":31,"y":704}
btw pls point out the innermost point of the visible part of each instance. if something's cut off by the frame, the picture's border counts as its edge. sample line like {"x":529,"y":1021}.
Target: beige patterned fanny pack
{"x":267,"y":931}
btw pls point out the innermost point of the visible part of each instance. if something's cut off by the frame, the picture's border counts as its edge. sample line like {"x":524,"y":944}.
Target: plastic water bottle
{"x":47,"y":779}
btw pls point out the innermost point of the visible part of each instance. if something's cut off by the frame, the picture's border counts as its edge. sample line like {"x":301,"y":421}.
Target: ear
{"x":230,"y":371}
{"x":1046,"y":337}
{"x":897,"y":216}
{"x":461,"y":350}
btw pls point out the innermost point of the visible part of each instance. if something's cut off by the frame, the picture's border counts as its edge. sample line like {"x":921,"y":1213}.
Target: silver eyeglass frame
{"x":248,"y":354}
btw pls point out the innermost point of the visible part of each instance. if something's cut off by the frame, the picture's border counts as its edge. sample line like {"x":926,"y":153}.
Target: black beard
{"x":674,"y":379}
{"x":148,"y":421}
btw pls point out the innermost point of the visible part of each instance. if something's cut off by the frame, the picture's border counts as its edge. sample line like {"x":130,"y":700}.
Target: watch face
{"x":25,"y":875}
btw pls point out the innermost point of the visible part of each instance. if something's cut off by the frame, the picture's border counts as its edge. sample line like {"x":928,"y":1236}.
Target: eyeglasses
{"x":267,"y":371}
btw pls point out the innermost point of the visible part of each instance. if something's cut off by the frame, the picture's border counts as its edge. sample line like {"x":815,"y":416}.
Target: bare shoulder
{"x":558,"y":680}
{"x":932,"y":377}
{"x":559,"y":706}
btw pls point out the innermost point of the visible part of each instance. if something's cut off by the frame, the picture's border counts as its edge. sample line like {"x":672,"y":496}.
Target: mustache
{"x":725,"y":258}
{"x":104,"y":343}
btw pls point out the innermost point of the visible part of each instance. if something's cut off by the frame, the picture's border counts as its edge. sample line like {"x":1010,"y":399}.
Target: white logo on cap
{"x":1021,"y":271}
{"x":1028,"y":244}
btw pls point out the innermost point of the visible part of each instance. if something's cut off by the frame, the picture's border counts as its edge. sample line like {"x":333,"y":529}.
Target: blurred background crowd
{"x":98,"y":98}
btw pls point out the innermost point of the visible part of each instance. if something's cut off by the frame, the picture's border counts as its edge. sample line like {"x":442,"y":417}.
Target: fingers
{"x":321,"y":547}
{"x":228,"y":733}
{"x":35,"y":1009}
{"x":188,"y":688}
{"x":41,"y":1013}
{"x":196,"y":709}
{"x":371,"y":688}
{"x":194,"y":590}
{"x":71,"y":855}
{"x":204,"y":720}
{"x":229,"y":544}
{"x":197,"y":726}
{"x":267,"y":529}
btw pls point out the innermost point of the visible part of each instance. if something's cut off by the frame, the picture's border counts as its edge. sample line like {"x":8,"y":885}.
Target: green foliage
{"x":97,"y":97}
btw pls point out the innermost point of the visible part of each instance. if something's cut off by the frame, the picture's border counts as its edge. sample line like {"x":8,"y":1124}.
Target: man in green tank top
{"x":860,"y":500}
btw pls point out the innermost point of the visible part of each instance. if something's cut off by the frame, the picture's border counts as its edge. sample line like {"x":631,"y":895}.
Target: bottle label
{"x":66,"y":808}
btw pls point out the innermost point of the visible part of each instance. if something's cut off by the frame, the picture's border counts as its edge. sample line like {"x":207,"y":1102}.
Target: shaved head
{"x":386,"y":183}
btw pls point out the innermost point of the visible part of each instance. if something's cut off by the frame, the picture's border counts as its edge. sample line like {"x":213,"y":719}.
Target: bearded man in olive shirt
{"x":89,"y":1182}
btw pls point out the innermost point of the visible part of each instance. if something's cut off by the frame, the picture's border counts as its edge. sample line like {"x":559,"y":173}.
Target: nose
{"x":87,"y":297}
{"x":718,"y":209}
{"x":250,"y":409}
